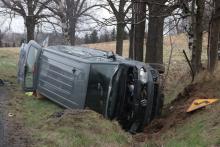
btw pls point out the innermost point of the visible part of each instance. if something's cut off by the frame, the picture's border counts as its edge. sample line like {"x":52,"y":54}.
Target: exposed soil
{"x":175,"y":113}
{"x":12,"y":133}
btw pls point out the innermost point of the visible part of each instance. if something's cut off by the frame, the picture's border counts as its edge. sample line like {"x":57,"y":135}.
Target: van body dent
{"x":78,"y":78}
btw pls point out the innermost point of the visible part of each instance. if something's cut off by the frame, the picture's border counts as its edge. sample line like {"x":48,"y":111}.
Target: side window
{"x":31,"y":58}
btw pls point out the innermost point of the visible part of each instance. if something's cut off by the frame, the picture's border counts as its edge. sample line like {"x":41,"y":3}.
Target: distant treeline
{"x":15,"y":39}
{"x":106,"y":36}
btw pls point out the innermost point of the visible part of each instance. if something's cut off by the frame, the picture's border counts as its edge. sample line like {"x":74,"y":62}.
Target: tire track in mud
{"x":12,"y":132}
{"x":2,"y":129}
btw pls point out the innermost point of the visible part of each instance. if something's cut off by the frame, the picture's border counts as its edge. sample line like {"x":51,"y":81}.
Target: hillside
{"x":199,"y":128}
{"x":43,"y":123}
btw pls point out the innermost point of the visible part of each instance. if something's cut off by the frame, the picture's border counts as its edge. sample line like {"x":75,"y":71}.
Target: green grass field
{"x":81,"y":129}
{"x":90,"y":129}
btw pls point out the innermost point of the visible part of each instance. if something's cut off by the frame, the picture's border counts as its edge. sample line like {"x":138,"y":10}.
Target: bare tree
{"x":137,"y":32}
{"x":70,"y":13}
{"x":158,"y":11}
{"x":30,"y":10}
{"x":120,"y":9}
{"x":197,"y":20}
{"x":2,"y":33}
{"x":214,"y":37}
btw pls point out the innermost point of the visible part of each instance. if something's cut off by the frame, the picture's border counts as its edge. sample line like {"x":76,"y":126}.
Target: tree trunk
{"x":214,"y":38}
{"x":119,"y":38}
{"x":214,"y":41}
{"x":131,"y":41}
{"x":139,"y":29}
{"x":65,"y":31}
{"x":30,"y":25}
{"x":72,"y":32}
{"x":154,"y":44}
{"x":1,"y":36}
{"x":198,"y":37}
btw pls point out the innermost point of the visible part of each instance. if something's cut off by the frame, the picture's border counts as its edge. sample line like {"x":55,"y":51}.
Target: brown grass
{"x":179,"y":74}
{"x":201,"y":129}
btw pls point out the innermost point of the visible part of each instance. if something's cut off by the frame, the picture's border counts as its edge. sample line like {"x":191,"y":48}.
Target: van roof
{"x":91,"y":55}
{"x":78,"y":50}
{"x":82,"y":52}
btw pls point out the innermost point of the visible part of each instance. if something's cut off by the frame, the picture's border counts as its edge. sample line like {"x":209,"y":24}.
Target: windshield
{"x":98,"y":86}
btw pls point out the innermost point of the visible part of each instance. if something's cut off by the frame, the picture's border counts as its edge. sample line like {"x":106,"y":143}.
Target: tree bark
{"x":1,"y":36}
{"x":120,"y":38}
{"x":214,"y":38}
{"x":198,"y":37}
{"x":131,"y":41}
{"x":30,"y":25}
{"x":72,"y":32}
{"x":139,"y":27}
{"x":154,"y":44}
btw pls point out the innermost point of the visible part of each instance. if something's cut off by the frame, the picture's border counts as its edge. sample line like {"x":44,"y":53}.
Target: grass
{"x":201,"y":130}
{"x":73,"y":129}
{"x":90,"y":129}
{"x":8,"y":63}
{"x":179,"y":73}
{"x":82,"y":129}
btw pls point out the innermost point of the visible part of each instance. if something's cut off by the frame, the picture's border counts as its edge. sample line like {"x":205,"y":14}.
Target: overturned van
{"x":78,"y":78}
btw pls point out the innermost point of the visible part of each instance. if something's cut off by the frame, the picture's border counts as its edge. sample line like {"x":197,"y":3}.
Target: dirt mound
{"x":82,"y":128}
{"x":175,"y":112}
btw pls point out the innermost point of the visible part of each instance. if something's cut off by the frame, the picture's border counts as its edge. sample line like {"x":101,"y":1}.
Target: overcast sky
{"x":17,"y":23}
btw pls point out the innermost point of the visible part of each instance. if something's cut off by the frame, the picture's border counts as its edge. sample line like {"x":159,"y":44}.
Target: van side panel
{"x":63,"y":80}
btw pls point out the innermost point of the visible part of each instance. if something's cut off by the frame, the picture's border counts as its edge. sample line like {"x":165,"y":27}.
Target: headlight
{"x":143,"y":76}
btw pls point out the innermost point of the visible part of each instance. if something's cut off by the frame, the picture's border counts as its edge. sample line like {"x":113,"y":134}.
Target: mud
{"x":173,"y":114}
{"x":12,"y":133}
